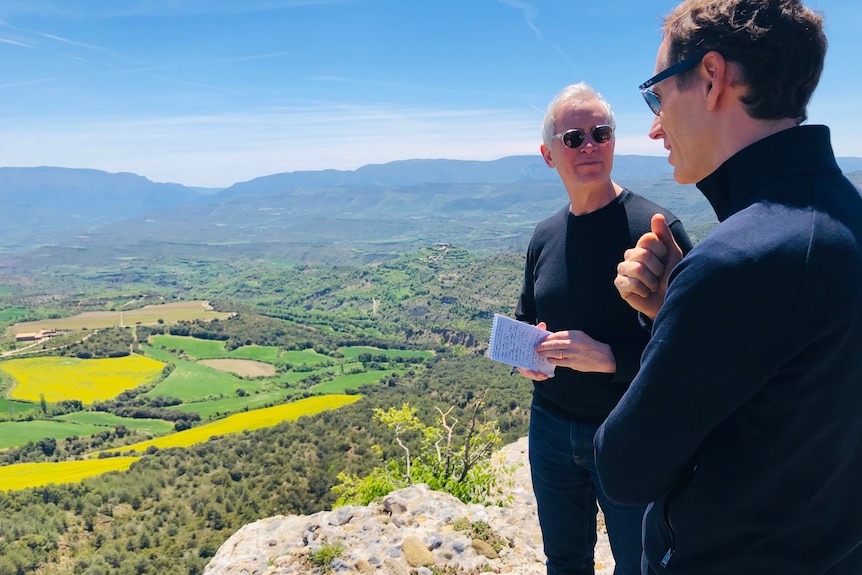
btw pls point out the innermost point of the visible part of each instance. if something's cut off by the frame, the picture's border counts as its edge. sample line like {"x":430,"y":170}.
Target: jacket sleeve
{"x":715,"y":343}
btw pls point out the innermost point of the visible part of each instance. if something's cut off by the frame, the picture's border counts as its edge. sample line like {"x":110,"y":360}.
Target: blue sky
{"x":214,"y":92}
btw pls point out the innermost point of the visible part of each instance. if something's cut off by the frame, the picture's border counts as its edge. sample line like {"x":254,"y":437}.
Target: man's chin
{"x":681,"y":176}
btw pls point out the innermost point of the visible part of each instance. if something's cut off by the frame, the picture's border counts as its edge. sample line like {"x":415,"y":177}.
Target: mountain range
{"x":327,"y":215}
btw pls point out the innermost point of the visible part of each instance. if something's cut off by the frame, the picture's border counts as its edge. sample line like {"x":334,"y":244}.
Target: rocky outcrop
{"x":407,"y":533}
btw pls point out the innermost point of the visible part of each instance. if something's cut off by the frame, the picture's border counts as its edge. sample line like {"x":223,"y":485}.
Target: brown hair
{"x":779,"y":46}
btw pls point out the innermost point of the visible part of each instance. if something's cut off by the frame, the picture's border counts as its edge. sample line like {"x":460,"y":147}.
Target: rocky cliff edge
{"x":413,"y":531}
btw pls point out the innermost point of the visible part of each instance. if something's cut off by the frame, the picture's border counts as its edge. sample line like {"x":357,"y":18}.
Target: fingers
{"x":534,"y":375}
{"x":659,"y":227}
{"x":643,"y":274}
{"x":642,"y":268}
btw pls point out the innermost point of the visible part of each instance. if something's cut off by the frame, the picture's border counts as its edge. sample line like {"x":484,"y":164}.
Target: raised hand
{"x":642,"y":275}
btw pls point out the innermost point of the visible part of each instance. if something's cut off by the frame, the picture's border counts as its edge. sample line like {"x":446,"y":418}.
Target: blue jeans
{"x":567,"y":490}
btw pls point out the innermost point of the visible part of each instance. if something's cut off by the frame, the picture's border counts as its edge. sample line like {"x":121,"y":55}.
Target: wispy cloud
{"x":221,"y":149}
{"x":70,"y":42}
{"x":529,"y":12}
{"x":256,"y":57}
{"x":14,"y":42}
{"x":75,"y":9}
{"x":26,"y":83}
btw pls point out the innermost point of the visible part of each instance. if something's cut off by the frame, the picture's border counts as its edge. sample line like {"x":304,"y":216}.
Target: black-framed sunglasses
{"x":652,"y":99}
{"x":574,"y":139}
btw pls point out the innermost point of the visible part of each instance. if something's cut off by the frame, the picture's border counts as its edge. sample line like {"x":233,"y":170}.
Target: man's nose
{"x":656,"y":131}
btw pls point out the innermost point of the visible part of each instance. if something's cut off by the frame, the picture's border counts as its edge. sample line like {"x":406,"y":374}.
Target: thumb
{"x":659,"y":227}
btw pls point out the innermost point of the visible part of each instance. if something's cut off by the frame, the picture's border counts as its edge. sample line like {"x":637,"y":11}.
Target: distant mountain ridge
{"x":308,"y":215}
{"x":411,"y":172}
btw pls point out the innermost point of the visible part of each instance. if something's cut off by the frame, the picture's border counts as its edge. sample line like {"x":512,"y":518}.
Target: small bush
{"x":323,"y":556}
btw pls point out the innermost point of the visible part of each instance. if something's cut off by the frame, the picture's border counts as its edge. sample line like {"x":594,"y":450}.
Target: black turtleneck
{"x":744,"y":424}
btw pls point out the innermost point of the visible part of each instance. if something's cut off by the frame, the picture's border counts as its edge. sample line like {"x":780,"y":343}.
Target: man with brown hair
{"x":743,"y":426}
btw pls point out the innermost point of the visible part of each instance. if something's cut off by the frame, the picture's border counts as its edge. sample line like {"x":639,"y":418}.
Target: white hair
{"x":571,"y":96}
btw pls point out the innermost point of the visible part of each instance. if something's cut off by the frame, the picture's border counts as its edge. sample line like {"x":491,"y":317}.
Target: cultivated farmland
{"x":245,"y":421}
{"x":24,"y":475}
{"x":241,"y":367}
{"x":88,"y":380}
{"x":151,"y":314}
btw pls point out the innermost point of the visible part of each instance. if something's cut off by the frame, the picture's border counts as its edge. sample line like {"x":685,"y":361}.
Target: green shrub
{"x":459,"y":467}
{"x":323,"y":556}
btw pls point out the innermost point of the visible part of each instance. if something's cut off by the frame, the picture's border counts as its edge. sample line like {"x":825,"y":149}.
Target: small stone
{"x":393,"y":506}
{"x":435,"y":541}
{"x":416,"y":553}
{"x":341,"y":516}
{"x":484,"y":548}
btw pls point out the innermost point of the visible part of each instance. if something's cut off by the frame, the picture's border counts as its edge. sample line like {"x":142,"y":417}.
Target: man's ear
{"x":546,"y":153}
{"x":714,"y":69}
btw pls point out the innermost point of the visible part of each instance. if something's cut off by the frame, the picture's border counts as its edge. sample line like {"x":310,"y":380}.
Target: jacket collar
{"x":798,"y":151}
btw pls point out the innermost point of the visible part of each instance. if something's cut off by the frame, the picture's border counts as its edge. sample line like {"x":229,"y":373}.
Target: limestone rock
{"x":375,"y":537}
{"x":416,"y":553}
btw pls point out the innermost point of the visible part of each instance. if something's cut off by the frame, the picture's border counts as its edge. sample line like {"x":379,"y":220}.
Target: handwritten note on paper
{"x":513,"y":342}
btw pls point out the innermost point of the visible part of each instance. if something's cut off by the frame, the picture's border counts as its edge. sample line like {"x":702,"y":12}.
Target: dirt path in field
{"x":241,"y":367}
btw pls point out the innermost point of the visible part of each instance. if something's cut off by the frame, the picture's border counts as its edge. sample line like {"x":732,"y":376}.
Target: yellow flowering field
{"x":24,"y":475}
{"x":88,"y":380}
{"x":245,"y":421}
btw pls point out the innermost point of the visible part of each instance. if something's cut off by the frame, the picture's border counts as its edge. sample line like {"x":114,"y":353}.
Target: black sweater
{"x":744,"y":424}
{"x":569,"y":284}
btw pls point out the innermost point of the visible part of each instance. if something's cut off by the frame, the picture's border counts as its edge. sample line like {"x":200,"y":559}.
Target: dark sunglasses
{"x":575,"y":138}
{"x":652,"y":99}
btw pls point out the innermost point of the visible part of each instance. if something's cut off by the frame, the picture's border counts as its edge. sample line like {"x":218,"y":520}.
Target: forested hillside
{"x":169,"y":513}
{"x":173,"y":509}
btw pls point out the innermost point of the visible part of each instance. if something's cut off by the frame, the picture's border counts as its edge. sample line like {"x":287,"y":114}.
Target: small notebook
{"x":513,"y":342}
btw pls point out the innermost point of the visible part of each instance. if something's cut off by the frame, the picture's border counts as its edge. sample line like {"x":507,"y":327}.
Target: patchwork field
{"x":103,"y":420}
{"x":24,"y":475}
{"x":212,"y":349}
{"x":14,"y":433}
{"x":241,"y":367}
{"x":88,"y":380}
{"x":245,"y":421}
{"x":12,"y":407}
{"x":190,"y":346}
{"x":238,"y":388}
{"x":352,"y":381}
{"x":191,"y":381}
{"x":151,"y":314}
{"x":354,"y":352}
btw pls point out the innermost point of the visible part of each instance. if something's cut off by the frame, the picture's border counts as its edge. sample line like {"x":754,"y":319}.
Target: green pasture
{"x":268,"y":354}
{"x":354,"y":352}
{"x":352,"y":381}
{"x":207,"y":409}
{"x":100,"y":418}
{"x":303,"y":357}
{"x":13,"y":314}
{"x":159,"y":354}
{"x":192,"y":346}
{"x":12,"y":407}
{"x":212,"y":349}
{"x":192,"y":381}
{"x":14,"y":433}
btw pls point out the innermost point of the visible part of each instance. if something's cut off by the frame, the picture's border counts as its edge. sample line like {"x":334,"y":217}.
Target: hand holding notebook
{"x":513,"y":342}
